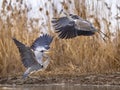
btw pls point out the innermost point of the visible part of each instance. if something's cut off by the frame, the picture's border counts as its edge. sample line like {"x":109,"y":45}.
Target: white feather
{"x":40,"y":48}
{"x":39,"y":56}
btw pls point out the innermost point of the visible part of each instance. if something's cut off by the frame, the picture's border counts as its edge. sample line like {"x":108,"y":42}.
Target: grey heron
{"x":71,"y":26}
{"x":32,"y":57}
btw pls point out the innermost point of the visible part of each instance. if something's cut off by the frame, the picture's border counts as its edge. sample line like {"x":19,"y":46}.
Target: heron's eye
{"x":70,"y":14}
{"x":42,"y":51}
{"x":42,"y":66}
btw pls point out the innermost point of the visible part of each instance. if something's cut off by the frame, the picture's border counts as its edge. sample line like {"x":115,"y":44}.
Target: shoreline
{"x":88,"y":79}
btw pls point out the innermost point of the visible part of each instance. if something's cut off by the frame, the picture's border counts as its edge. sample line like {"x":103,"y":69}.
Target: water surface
{"x":60,"y":87}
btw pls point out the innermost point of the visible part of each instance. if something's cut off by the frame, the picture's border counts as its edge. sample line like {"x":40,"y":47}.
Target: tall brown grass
{"x":77,"y":56}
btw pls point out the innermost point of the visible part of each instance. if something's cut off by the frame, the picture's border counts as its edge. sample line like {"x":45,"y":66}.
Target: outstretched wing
{"x":65,"y":27}
{"x":69,"y":27}
{"x":42,"y":43}
{"x":28,"y":57}
{"x":82,"y":24}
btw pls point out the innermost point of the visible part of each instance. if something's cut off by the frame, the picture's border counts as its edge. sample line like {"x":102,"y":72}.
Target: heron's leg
{"x":100,"y":32}
{"x":26,"y":73}
{"x":104,"y":34}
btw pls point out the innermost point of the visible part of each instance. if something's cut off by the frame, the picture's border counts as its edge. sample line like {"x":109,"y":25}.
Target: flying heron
{"x":32,"y":57}
{"x":71,"y":26}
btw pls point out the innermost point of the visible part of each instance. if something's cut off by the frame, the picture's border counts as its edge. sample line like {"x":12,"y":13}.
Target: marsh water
{"x":61,"y":87}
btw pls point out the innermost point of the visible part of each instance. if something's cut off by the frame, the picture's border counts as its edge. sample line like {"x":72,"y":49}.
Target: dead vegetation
{"x":78,"y":55}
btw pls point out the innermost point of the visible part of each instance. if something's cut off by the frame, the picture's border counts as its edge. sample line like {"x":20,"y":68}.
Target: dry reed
{"x":78,"y":55}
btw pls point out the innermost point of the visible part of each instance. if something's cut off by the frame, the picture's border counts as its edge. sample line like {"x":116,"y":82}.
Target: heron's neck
{"x":45,"y":64}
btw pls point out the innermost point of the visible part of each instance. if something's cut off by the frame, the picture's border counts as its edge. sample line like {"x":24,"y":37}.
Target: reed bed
{"x":79,"y":55}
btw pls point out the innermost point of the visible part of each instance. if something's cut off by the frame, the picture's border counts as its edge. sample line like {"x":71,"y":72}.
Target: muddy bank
{"x":91,"y":79}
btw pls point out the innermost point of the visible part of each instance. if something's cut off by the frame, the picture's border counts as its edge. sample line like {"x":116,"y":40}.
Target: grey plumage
{"x":27,"y":56}
{"x":32,"y":56}
{"x":71,"y":26}
{"x":43,"y":41}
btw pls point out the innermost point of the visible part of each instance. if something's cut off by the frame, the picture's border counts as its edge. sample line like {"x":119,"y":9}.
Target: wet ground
{"x":91,"y":79}
{"x":61,"y":87}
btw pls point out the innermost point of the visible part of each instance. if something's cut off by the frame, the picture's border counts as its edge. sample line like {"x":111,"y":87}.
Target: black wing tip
{"x":15,"y":40}
{"x":18,"y":43}
{"x":66,"y":37}
{"x":47,"y":36}
{"x":55,"y":20}
{"x":43,"y":39}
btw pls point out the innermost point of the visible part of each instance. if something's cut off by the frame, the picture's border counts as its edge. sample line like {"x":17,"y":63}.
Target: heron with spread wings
{"x":32,"y":57}
{"x":71,"y":26}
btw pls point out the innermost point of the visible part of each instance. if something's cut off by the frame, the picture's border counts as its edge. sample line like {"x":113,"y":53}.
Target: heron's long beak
{"x":46,"y":52}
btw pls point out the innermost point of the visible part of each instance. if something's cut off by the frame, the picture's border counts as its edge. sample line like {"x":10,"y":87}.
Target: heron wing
{"x":28,"y":57}
{"x":42,"y":42}
{"x":65,"y":27}
{"x":83,"y":25}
